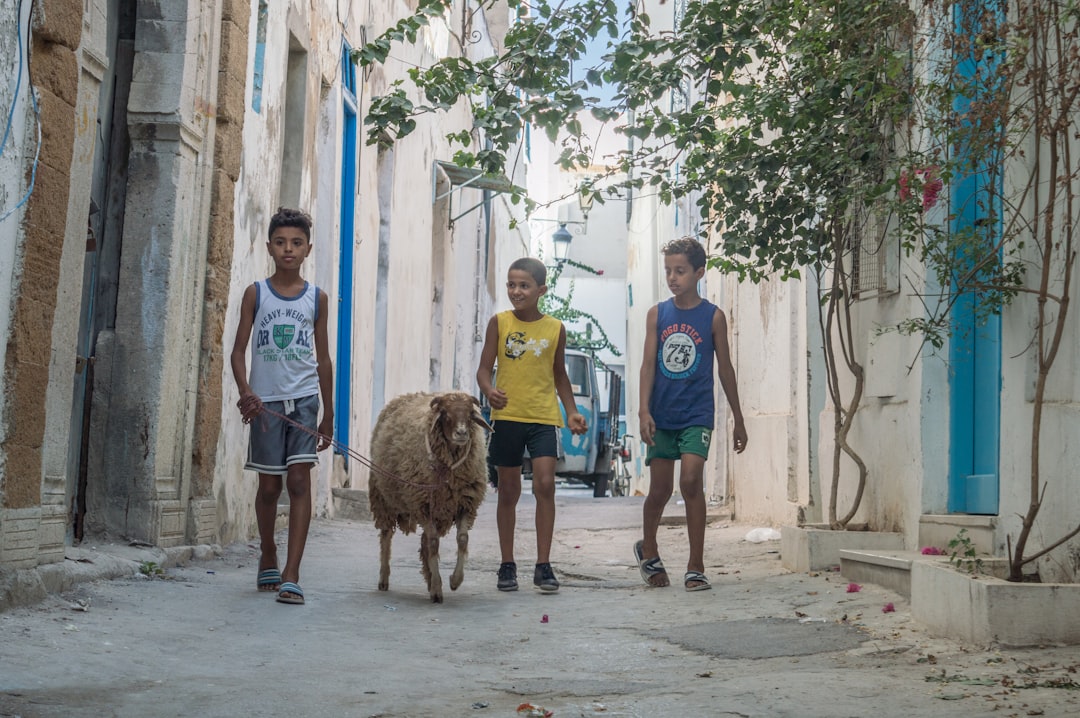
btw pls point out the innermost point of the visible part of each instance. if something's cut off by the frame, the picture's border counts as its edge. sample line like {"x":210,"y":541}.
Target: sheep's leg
{"x":464,"y":523}
{"x":384,"y":558}
{"x":429,"y":557}
{"x":425,"y":570}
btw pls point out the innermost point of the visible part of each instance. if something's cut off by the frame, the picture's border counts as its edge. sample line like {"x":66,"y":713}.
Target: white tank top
{"x":283,"y":364}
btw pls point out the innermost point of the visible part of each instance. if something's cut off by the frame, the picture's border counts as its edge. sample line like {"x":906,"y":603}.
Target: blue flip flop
{"x":269,"y":580}
{"x":296,"y":597}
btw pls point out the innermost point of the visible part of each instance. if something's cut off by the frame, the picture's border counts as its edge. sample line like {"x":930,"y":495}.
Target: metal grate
{"x":875,"y":253}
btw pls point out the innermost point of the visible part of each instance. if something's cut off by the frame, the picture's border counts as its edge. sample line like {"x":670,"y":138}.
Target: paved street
{"x":200,"y":641}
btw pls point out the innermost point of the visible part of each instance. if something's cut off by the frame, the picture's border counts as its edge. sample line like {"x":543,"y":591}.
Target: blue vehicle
{"x":587,"y":457}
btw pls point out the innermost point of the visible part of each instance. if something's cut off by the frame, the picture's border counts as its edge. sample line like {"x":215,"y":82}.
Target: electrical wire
{"x":23,"y":50}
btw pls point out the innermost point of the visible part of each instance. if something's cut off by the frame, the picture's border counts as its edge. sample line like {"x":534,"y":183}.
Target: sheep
{"x":430,"y":457}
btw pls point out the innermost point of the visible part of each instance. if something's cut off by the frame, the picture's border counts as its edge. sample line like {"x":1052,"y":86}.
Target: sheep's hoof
{"x":384,"y":585}
{"x":436,"y":598}
{"x":455,"y":581}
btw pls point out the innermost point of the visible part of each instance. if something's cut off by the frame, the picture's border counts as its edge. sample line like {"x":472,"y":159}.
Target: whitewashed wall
{"x":438,"y":284}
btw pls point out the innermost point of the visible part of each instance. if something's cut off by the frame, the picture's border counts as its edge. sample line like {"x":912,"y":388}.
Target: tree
{"x":795,"y":122}
{"x":783,"y":136}
{"x":560,"y":305}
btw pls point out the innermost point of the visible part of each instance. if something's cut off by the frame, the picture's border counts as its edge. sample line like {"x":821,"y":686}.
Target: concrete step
{"x":889,"y":569}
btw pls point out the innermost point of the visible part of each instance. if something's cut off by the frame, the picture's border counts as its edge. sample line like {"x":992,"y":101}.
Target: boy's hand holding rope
{"x":250,"y":406}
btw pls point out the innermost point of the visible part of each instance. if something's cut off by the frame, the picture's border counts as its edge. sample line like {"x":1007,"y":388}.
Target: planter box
{"x":985,"y":610}
{"x":817,"y":547}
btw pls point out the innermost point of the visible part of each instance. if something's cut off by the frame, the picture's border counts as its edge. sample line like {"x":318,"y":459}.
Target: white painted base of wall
{"x":351,"y":504}
{"x":985,"y":610}
{"x":814,"y":548}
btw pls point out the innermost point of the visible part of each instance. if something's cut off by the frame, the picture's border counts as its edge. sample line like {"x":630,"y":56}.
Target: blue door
{"x":345,"y":278}
{"x":975,"y":346}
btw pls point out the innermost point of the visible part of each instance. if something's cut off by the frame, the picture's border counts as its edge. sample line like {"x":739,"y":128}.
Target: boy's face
{"x":522,"y":289}
{"x":681,"y":276}
{"x":289,"y":247}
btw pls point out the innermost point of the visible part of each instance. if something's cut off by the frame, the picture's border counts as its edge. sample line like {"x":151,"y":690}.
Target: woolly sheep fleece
{"x":415,"y":495}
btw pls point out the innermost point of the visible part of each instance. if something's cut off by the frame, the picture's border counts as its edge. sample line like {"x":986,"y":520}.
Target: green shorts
{"x":673,"y":443}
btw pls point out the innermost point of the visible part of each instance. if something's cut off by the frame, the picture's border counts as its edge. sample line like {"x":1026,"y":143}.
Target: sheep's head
{"x":454,"y":415}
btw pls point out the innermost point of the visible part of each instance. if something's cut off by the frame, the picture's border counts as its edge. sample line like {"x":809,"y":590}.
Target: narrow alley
{"x":765,"y":643}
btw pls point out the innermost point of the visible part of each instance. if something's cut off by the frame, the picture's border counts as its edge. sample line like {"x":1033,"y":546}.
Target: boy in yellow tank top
{"x":529,"y":347}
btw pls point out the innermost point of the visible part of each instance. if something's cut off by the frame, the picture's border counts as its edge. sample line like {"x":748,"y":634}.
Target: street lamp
{"x":561,"y":241}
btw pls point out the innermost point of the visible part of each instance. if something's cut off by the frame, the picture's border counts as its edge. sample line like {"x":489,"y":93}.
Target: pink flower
{"x":544,"y":618}
{"x":928,"y":179}
{"x":599,"y":272}
{"x":888,"y":608}
{"x":932,"y":551}
{"x":853,"y":588}
{"x":932,"y":186}
{"x":905,"y":191}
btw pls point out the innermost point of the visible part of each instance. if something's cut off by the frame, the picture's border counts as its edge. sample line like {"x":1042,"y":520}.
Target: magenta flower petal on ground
{"x":932,"y":551}
{"x":853,"y":588}
{"x":888,"y":608}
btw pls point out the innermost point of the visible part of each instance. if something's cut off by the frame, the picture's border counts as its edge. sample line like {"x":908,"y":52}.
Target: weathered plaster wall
{"x":15,"y":165}
{"x":229,"y":111}
{"x":769,"y":480}
{"x":31,"y":522}
{"x":151,"y":361}
{"x":432,"y":275}
{"x":1057,"y":482}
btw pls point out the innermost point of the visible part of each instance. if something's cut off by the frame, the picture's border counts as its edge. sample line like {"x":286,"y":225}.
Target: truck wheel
{"x":599,"y":485}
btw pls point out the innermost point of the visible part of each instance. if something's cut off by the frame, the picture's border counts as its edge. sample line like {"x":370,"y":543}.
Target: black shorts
{"x":511,"y":439}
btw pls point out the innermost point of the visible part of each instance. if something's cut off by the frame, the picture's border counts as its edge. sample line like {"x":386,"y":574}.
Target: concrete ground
{"x":200,"y":641}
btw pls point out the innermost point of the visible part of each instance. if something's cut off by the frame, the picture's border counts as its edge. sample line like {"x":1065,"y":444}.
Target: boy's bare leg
{"x":691,"y":486}
{"x":298,"y":484}
{"x":506,"y":508}
{"x":266,"y":501}
{"x":661,"y":483}
{"x":543,"y":487}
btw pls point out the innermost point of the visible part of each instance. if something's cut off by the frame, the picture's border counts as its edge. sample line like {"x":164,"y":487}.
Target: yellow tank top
{"x":525,"y":370}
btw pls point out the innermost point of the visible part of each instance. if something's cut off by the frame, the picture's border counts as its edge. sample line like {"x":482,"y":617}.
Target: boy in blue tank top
{"x":290,"y":369}
{"x":677,"y":410}
{"x":529,"y":347}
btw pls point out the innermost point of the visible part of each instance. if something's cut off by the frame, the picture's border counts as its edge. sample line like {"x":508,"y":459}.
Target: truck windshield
{"x":577,"y":368}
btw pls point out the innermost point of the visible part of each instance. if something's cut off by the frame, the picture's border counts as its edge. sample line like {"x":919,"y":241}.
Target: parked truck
{"x":588,"y":457}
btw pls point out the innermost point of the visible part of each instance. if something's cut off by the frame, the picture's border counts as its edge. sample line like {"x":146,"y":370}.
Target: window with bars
{"x":874,"y":253}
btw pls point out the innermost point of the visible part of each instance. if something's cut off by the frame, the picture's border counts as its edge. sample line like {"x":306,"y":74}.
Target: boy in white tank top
{"x":290,"y":369}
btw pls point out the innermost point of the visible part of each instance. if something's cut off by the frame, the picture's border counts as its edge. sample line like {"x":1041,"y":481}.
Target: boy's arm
{"x":726,"y":371}
{"x":249,"y":404}
{"x":325,"y":369}
{"x":574,"y":419}
{"x":484,"y":373}
{"x":646,"y":425}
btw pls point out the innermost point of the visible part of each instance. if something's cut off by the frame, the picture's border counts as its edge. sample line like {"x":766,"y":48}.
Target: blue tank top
{"x":682,"y":392}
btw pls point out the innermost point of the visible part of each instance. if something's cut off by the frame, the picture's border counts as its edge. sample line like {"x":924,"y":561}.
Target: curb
{"x":29,"y":586}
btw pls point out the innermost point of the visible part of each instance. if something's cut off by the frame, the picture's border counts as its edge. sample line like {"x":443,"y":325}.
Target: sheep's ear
{"x":479,"y":419}
{"x":436,"y":402}
{"x":475,"y":400}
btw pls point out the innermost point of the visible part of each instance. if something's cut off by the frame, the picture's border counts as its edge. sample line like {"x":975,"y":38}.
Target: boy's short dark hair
{"x":695,"y":253}
{"x":288,"y":217}
{"x":534,"y":267}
